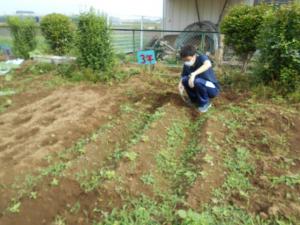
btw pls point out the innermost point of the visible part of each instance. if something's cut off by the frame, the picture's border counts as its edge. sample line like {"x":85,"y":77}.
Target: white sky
{"x":120,"y":8}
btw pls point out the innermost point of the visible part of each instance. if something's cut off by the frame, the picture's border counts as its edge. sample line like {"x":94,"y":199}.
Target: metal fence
{"x":131,"y":40}
{"x":126,"y":40}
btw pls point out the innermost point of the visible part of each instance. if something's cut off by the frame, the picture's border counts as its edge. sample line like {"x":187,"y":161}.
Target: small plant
{"x":59,"y":220}
{"x":79,"y":147}
{"x":54,"y":170}
{"x":117,"y":154}
{"x":148,"y":179}
{"x":33,"y":195}
{"x":143,"y":211}
{"x":90,"y":181}
{"x":109,"y":174}
{"x":31,"y":181}
{"x":290,"y":180}
{"x":54,"y":182}
{"x":126,"y":108}
{"x":15,"y":207}
{"x":58,"y":30}
{"x":209,"y":159}
{"x":131,"y":156}
{"x":225,"y":215}
{"x":193,"y":218}
{"x":75,"y":208}
{"x":24,"y":35}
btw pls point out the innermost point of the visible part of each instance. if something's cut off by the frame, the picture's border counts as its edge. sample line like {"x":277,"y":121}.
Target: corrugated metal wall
{"x":178,"y":14}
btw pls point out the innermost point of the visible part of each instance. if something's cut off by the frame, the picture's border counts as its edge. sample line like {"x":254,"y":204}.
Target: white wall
{"x":178,"y":14}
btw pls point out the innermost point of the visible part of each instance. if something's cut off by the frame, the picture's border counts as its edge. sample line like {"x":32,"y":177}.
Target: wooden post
{"x":220,"y":51}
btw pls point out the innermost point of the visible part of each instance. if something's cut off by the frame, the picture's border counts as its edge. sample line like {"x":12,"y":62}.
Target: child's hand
{"x":191,"y":81}
{"x":180,"y":87}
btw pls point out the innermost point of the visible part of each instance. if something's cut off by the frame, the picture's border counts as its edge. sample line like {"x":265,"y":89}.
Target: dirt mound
{"x":52,"y":123}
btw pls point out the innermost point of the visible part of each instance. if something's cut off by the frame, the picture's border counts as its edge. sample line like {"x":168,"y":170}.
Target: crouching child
{"x":198,"y":78}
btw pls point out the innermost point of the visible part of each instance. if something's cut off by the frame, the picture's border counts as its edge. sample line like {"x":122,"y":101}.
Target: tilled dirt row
{"x":96,"y":156}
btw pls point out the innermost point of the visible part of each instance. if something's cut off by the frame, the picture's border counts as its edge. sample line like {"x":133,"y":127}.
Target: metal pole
{"x":133,"y":40}
{"x":142,"y":34}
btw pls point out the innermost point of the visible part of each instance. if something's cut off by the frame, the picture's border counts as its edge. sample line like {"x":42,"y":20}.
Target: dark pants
{"x":200,"y":94}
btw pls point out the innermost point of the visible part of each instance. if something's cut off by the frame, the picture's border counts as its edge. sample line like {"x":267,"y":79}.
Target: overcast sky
{"x":121,"y":8}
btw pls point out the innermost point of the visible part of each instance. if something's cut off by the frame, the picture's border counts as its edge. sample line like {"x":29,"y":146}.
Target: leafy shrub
{"x":24,"y":35}
{"x":279,"y":44}
{"x":241,"y":27}
{"x":59,"y":31}
{"x":94,"y":44}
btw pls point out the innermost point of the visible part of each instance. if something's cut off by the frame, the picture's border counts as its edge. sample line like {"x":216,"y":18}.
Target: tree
{"x":58,"y":31}
{"x":241,"y":27}
{"x":94,"y":43}
{"x":279,"y":45}
{"x":24,"y":35}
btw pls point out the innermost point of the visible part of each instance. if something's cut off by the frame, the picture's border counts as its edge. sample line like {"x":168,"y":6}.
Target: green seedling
{"x":33,"y":195}
{"x":59,"y":220}
{"x":76,"y":207}
{"x":148,"y":179}
{"x":15,"y":207}
{"x":54,"y":182}
{"x":130,"y":155}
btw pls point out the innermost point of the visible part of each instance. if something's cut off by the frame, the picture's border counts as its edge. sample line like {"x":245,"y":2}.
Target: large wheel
{"x":204,"y":36}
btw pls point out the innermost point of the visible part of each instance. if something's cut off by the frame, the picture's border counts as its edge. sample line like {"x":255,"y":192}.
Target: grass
{"x":166,"y":159}
{"x":176,"y":160}
{"x":289,"y":180}
{"x":144,"y":211}
{"x":92,"y":180}
{"x":239,"y":168}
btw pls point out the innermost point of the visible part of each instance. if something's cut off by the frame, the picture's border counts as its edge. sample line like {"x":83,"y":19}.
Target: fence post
{"x":142,"y":34}
{"x":133,"y":40}
{"x":220,"y":51}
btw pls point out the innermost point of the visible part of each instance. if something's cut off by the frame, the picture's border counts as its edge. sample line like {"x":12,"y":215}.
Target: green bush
{"x":23,"y":32}
{"x":241,"y":27}
{"x":58,"y":31}
{"x":279,"y":45}
{"x":94,"y":44}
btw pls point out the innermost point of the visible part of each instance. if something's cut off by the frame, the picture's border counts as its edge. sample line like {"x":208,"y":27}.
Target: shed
{"x":192,"y":17}
{"x":179,"y":14}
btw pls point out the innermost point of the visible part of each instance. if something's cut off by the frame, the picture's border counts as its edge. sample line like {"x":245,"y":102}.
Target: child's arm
{"x":206,"y":66}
